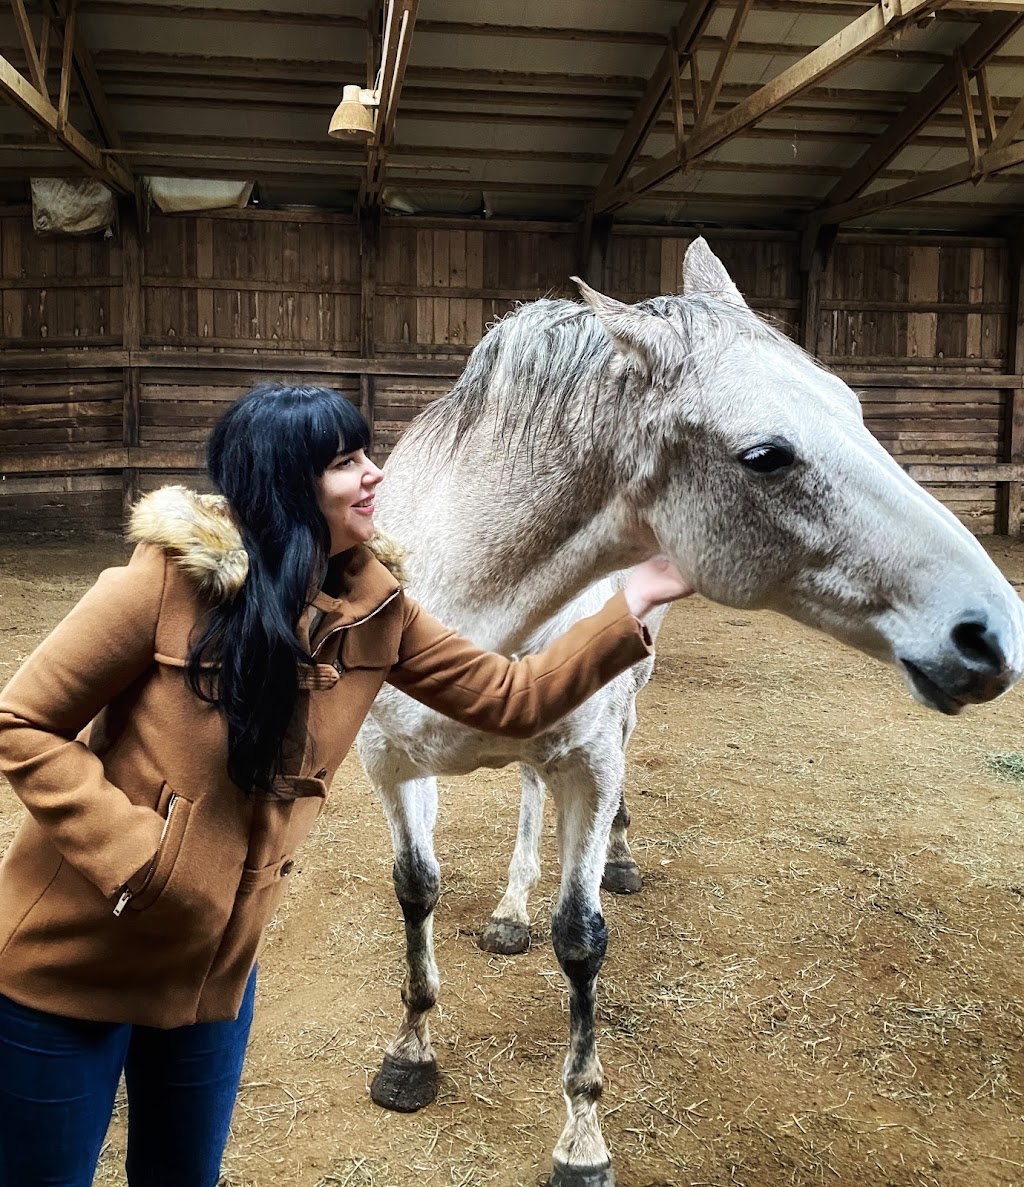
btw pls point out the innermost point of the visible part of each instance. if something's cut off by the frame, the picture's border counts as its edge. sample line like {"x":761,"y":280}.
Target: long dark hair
{"x":265,"y":456}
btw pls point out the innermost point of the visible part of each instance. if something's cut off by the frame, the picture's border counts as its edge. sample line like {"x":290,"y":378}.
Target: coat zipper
{"x":358,"y":622}
{"x":126,"y":894}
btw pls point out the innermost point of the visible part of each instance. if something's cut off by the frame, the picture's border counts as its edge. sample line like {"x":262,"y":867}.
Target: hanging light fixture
{"x":352,"y":119}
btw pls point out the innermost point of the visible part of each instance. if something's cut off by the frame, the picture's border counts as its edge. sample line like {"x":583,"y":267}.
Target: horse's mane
{"x":532,"y":370}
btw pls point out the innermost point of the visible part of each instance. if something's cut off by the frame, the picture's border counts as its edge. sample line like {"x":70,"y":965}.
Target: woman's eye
{"x":767,"y":458}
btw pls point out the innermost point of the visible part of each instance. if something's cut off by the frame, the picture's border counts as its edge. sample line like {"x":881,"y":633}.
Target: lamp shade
{"x":351,"y":119}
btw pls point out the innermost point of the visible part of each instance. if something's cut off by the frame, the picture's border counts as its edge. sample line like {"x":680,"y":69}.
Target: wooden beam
{"x":985,"y":41}
{"x":988,"y":111}
{"x":710,"y":98}
{"x":963,"y":81}
{"x":874,"y":26}
{"x":1011,"y":128}
{"x":66,"y":63}
{"x":18,"y":89}
{"x":401,"y":17}
{"x":28,"y":44}
{"x":682,"y":41}
{"x":991,"y":161}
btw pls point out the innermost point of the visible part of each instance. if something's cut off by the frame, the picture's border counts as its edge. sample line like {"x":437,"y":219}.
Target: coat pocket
{"x":371,"y":644}
{"x":175,"y":810}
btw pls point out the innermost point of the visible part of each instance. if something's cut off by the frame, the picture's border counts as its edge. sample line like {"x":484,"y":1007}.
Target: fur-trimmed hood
{"x":201,"y":534}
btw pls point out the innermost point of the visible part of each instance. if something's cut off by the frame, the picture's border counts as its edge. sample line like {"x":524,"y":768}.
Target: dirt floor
{"x":821,"y":981}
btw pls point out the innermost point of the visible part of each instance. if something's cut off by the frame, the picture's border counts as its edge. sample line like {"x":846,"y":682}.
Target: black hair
{"x":265,"y":455}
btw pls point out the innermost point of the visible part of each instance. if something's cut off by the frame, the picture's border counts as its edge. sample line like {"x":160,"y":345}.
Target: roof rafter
{"x":879,"y":23}
{"x":986,"y":40}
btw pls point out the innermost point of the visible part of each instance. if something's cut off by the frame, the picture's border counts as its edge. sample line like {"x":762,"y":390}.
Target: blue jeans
{"x":58,"y":1078}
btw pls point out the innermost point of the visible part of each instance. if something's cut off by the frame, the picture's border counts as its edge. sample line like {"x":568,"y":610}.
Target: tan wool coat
{"x":123,"y":769}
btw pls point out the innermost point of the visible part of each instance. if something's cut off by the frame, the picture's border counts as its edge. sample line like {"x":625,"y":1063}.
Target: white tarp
{"x":178,"y":195}
{"x":75,"y":206}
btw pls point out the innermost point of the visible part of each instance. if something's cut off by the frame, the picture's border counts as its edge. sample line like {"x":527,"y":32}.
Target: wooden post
{"x":1009,"y":503}
{"x":815,"y":250}
{"x":595,"y":236}
{"x":366,"y":402}
{"x":369,"y":249}
{"x":131,"y":257}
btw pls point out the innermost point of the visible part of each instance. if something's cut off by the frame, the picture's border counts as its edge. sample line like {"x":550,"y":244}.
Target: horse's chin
{"x":950,"y":692}
{"x":927,"y":692}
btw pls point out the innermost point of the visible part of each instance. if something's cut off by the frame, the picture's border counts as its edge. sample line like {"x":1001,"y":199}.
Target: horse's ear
{"x":635,"y":333}
{"x":704,"y":272}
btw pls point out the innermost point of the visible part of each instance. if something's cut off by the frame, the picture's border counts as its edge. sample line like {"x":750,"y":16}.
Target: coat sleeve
{"x":104,"y":644}
{"x":515,"y":697}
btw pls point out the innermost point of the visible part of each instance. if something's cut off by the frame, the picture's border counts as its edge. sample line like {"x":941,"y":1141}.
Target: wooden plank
{"x":955,"y":474}
{"x":203,"y":279}
{"x":13,"y":301}
{"x":923,"y":287}
{"x":118,"y":458}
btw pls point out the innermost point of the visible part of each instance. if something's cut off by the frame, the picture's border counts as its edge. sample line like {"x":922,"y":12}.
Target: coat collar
{"x":200,"y":533}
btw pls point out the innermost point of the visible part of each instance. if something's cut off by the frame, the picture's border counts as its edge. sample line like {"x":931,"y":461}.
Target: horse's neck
{"x":499,"y":556}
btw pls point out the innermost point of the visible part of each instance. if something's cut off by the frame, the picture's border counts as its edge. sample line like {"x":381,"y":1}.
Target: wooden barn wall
{"x":118,"y":355}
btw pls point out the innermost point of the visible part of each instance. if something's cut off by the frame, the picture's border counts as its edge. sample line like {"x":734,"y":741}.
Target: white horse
{"x":580,"y":440}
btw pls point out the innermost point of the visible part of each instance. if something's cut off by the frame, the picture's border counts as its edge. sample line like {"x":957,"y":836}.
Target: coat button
{"x":287,"y":868}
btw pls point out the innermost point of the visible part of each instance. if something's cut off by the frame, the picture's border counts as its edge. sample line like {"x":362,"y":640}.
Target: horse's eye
{"x":767,"y":458}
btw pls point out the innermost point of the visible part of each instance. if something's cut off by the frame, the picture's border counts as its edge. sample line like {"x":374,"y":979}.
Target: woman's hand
{"x":652,"y":584}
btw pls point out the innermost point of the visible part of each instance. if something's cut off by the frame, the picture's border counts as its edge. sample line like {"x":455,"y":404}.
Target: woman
{"x":225,"y":672}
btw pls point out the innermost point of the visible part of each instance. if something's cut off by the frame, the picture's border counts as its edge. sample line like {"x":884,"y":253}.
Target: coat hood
{"x":201,"y":533}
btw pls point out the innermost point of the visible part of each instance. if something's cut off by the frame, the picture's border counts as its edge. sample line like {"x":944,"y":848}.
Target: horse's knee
{"x":417,"y":887}
{"x":579,"y":937}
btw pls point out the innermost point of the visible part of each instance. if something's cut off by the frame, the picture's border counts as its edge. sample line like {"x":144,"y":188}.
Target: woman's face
{"x":345,"y":495}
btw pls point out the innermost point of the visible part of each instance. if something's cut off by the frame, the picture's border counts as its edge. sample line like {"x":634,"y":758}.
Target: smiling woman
{"x":225,"y":670}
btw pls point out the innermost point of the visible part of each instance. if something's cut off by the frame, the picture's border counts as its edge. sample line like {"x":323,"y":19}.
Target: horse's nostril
{"x":979,"y":645}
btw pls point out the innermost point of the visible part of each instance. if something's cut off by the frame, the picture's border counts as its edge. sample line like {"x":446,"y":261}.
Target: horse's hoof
{"x":565,"y":1175}
{"x":403,"y":1085}
{"x":622,"y":877}
{"x":505,"y":937}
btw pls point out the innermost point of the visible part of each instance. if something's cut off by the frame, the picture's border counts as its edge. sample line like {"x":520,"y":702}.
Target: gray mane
{"x":533,"y":371}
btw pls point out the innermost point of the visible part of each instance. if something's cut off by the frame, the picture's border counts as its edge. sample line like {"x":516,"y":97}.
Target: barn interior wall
{"x":117,"y":355}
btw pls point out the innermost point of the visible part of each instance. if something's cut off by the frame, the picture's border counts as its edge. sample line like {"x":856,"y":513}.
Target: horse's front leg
{"x":587,"y":792}
{"x":621,"y":873}
{"x":408,"y":1077}
{"x":508,"y":929}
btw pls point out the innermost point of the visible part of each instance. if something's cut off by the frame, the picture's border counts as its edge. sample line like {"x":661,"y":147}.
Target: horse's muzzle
{"x":973,"y":666}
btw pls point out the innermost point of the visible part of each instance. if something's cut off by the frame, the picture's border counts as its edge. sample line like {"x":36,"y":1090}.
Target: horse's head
{"x":766,"y":488}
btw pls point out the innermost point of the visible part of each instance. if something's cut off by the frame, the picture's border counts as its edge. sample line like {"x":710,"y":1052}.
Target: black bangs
{"x":337,"y":427}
